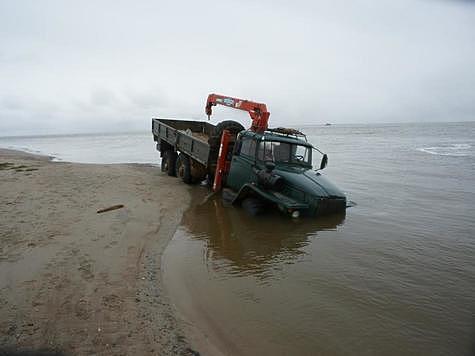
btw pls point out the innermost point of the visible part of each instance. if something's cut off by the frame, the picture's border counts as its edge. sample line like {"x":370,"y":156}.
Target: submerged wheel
{"x":253,"y":206}
{"x":168,"y":163}
{"x":183,"y":168}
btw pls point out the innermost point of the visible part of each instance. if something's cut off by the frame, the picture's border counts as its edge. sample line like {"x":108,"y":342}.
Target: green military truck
{"x":257,"y":168}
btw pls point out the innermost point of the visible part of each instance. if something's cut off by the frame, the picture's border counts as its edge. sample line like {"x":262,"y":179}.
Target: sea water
{"x":395,"y":275}
{"x":134,"y":147}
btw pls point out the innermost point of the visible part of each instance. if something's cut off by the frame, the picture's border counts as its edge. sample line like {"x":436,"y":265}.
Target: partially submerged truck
{"x":256,"y":168}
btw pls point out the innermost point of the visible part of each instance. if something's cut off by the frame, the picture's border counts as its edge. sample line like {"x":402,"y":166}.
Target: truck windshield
{"x":284,"y":152}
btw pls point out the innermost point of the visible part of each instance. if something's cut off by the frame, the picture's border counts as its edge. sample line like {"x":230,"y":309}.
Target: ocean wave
{"x":455,"y":149}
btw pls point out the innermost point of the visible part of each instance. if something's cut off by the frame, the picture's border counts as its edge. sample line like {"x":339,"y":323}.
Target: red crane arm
{"x":257,"y":111}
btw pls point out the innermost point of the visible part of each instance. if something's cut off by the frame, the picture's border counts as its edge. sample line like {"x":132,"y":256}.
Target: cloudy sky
{"x":83,"y":66}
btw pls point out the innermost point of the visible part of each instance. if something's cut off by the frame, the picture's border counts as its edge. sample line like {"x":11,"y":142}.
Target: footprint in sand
{"x":85,"y":267}
{"x":112,"y":301}
{"x":82,"y":309}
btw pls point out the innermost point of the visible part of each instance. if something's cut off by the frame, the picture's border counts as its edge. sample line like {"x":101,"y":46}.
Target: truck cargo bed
{"x":187,"y":136}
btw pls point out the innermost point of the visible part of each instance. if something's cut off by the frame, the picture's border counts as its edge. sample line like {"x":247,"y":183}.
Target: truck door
{"x":244,"y":158}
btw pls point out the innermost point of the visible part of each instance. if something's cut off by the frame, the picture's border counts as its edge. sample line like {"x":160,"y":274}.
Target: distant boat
{"x":328,"y":124}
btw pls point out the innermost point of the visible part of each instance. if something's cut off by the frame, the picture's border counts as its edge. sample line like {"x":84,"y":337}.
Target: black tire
{"x":183,"y":168}
{"x":253,"y":206}
{"x":215,"y":139}
{"x":169,"y":162}
{"x":164,"y":164}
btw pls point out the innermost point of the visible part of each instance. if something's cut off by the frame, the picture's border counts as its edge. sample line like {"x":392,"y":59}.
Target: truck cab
{"x":275,"y":167}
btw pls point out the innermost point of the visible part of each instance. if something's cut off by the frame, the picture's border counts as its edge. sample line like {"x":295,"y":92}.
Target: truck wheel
{"x":169,"y":162}
{"x":164,"y":164}
{"x":183,"y":168}
{"x":253,"y":206}
{"x":215,"y":140}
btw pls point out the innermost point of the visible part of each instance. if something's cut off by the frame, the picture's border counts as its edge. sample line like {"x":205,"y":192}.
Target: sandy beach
{"x":73,"y":281}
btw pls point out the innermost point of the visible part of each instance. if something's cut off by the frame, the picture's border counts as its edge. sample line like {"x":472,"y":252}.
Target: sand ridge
{"x":77,"y":282}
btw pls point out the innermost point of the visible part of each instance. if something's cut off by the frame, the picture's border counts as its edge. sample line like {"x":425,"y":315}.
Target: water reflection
{"x":244,"y":244}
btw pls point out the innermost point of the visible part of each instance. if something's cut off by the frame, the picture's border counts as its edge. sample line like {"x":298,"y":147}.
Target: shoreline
{"x":26,"y":152}
{"x":76,"y":282}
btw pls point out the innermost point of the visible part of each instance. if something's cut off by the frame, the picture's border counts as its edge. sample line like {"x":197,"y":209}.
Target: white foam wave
{"x":455,"y":149}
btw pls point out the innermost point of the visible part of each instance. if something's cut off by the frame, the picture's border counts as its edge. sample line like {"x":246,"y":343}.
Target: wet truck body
{"x":271,"y":168}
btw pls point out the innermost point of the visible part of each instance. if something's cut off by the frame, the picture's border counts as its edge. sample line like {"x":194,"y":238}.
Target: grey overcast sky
{"x":83,"y":66}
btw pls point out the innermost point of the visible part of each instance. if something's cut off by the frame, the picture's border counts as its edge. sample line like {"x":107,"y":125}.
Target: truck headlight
{"x":295,"y":214}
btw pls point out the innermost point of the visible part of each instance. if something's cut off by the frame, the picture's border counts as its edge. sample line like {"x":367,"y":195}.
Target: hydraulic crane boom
{"x":257,"y":111}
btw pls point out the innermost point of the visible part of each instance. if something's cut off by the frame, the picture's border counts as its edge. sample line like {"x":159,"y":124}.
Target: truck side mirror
{"x":324,"y":161}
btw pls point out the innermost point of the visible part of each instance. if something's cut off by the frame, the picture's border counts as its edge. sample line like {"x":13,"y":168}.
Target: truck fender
{"x":249,"y":189}
{"x":278,"y":198}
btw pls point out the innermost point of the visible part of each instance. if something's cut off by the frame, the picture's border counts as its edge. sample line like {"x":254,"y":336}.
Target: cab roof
{"x":277,"y":135}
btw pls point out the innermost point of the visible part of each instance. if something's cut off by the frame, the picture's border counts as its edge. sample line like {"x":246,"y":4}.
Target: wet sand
{"x":73,"y":281}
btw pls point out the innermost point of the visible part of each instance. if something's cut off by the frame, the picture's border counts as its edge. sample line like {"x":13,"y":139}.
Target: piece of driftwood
{"x":113,"y":207}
